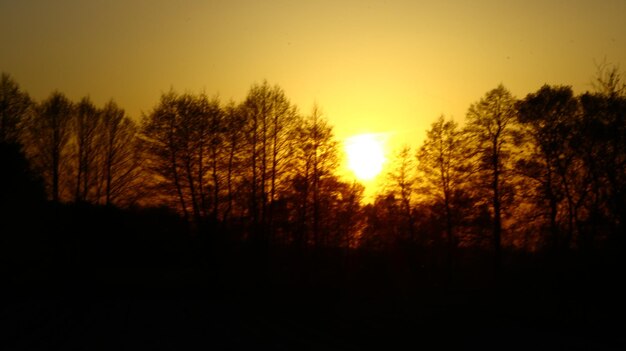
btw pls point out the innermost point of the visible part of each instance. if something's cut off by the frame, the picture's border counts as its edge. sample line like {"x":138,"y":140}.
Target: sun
{"x":366,"y":155}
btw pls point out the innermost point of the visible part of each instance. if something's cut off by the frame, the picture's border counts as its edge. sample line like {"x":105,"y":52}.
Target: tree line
{"x":258,"y":169}
{"x":81,"y":152}
{"x":546,"y":172}
{"x":543,"y":172}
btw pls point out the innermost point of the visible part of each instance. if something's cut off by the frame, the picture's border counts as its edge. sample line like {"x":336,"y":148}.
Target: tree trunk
{"x":497,"y":221}
{"x":216,"y":186}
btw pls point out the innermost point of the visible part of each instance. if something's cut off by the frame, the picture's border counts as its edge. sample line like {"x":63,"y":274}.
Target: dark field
{"x":129,"y":289}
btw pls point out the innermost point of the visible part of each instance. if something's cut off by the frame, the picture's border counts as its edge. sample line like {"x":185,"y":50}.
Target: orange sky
{"x":373,"y":66}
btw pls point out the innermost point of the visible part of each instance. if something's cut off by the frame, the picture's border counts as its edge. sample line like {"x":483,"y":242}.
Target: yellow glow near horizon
{"x":366,"y":155}
{"x":369,"y":59}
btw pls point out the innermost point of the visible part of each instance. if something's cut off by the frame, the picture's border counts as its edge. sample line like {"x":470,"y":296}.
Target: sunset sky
{"x":388,"y":67}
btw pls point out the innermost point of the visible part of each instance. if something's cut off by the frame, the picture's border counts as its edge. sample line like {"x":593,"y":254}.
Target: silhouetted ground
{"x":84,"y":277}
{"x":463,"y":320}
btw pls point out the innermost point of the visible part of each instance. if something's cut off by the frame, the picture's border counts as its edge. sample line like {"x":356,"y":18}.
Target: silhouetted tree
{"x":317,"y":156}
{"x":14,"y":105}
{"x":340,"y":212}
{"x":609,"y":81}
{"x":214,"y":127}
{"x":383,"y":226}
{"x":86,"y":125}
{"x":270,"y":127}
{"x":443,"y":172}
{"x":601,"y":143}
{"x":549,"y":118}
{"x":170,"y":150}
{"x":49,"y":131}
{"x":234,"y":139}
{"x":492,"y":132}
{"x":402,"y":180}
{"x":20,"y":188}
{"x":120,"y":157}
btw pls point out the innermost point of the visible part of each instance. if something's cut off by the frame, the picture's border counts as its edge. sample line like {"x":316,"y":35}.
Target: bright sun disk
{"x":366,"y":155}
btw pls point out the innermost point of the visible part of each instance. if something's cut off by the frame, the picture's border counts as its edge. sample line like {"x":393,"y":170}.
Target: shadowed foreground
{"x":181,"y":324}
{"x":79,"y":276}
{"x":178,"y":294}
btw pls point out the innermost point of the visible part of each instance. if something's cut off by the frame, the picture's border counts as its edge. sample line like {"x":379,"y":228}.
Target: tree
{"x":491,"y":129}
{"x":233,"y":139}
{"x":214,"y":126}
{"x":172,"y":145}
{"x":86,"y":124}
{"x":20,"y":188}
{"x":402,"y":178}
{"x":49,"y":131}
{"x":14,"y":105}
{"x":443,"y":172}
{"x":608,"y":81}
{"x":383,"y":223}
{"x":270,"y":127}
{"x":548,"y":117}
{"x":317,"y":161}
{"x":602,"y":146}
{"x":340,"y":212}
{"x":119,"y":157}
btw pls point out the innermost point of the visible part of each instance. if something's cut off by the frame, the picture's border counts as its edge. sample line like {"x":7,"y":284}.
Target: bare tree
{"x":86,"y":125}
{"x":443,"y":171}
{"x":214,"y":119}
{"x":317,"y":161}
{"x":608,"y":80}
{"x":402,"y":178}
{"x":14,"y":105}
{"x":160,"y":136}
{"x":49,"y":131}
{"x":601,"y":143}
{"x":269,"y":134}
{"x":549,"y":118}
{"x":119,"y":157}
{"x":234,"y":122}
{"x":491,"y":127}
{"x":183,"y":137}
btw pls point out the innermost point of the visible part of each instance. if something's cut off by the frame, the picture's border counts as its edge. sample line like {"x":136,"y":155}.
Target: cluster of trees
{"x":543,"y":172}
{"x":82,"y":153}
{"x":258,"y":169}
{"x":546,"y":171}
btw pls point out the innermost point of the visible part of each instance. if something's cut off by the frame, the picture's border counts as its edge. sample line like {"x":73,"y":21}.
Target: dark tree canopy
{"x":14,"y":105}
{"x":543,"y":172}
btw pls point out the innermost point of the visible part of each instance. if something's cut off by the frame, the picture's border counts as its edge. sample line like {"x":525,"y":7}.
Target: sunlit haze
{"x":373,"y":66}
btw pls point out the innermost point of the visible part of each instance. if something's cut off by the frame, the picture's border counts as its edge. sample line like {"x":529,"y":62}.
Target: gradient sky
{"x":373,"y":66}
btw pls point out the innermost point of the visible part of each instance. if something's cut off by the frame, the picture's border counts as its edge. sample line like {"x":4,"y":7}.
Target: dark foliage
{"x":233,"y":230}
